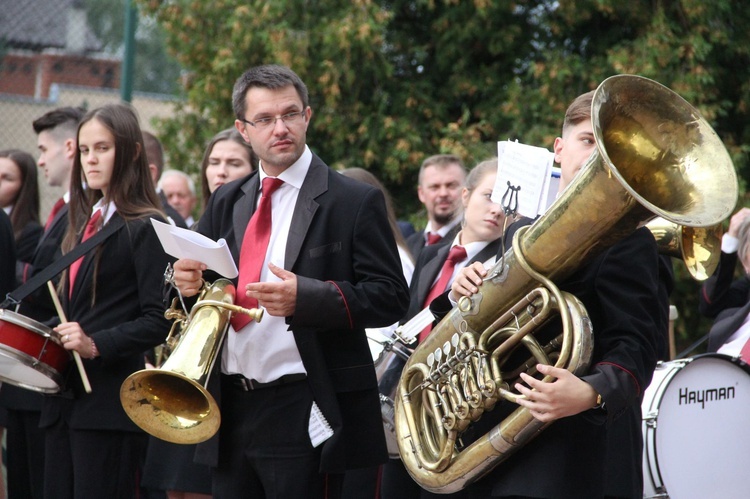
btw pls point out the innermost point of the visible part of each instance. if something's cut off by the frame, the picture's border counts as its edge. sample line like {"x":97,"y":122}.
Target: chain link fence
{"x":51,"y":57}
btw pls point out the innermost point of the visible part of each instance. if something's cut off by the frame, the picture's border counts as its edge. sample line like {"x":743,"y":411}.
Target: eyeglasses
{"x":262,"y":123}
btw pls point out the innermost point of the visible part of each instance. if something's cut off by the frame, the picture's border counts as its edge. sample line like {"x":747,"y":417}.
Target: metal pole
{"x":126,"y":74}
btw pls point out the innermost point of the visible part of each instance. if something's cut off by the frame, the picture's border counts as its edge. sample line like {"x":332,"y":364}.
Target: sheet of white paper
{"x":184,"y":243}
{"x":527,"y":167}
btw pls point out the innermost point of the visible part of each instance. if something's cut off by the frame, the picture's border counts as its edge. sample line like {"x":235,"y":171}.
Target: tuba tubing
{"x":172,"y":402}
{"x":655,"y":156}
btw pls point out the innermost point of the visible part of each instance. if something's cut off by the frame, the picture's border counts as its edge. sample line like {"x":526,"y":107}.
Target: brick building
{"x":46,"y":42}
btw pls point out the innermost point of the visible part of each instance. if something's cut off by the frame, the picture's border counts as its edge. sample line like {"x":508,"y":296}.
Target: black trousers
{"x":264,"y":446}
{"x":83,"y":464}
{"x":25,"y":454}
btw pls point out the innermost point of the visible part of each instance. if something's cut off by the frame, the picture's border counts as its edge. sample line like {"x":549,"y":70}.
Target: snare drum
{"x":695,"y":428}
{"x":31,"y":354}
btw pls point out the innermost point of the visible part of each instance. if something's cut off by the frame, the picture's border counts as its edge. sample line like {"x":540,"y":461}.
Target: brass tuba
{"x":655,"y":156}
{"x":699,"y":248}
{"x":171,"y":402}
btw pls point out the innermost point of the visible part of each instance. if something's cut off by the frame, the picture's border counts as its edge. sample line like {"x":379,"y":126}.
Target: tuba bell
{"x":699,"y":248}
{"x":171,"y":402}
{"x":655,"y":156}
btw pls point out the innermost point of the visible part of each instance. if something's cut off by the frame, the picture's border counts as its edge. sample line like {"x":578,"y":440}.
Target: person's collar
{"x":296,"y":173}
{"x":445,"y":229}
{"x":472,"y":249}
{"x":8,"y":209}
{"x":108,"y":209}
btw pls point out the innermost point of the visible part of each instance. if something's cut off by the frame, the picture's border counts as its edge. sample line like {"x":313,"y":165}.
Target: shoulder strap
{"x":17,"y":295}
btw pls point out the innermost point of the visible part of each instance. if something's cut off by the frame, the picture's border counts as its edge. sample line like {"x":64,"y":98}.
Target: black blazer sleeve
{"x":621,"y":293}
{"x":720,"y":292}
{"x":8,"y":261}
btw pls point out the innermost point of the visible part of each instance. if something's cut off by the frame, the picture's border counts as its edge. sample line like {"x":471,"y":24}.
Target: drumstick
{"x":76,"y":356}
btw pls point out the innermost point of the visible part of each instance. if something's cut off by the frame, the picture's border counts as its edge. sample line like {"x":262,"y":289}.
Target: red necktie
{"x":55,"y":210}
{"x":433,"y":237}
{"x":455,"y":255}
{"x":253,"y":251}
{"x":745,"y":352}
{"x":90,"y":230}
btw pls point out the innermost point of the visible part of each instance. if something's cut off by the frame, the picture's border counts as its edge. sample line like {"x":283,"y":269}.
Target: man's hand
{"x":736,"y":221}
{"x":566,"y":396}
{"x":188,"y":276}
{"x":278,"y":298}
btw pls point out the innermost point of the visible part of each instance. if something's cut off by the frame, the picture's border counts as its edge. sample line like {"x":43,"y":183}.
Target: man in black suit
{"x":726,"y":299}
{"x":722,"y":291}
{"x":594,"y":448}
{"x":155,"y":157}
{"x":56,"y":140}
{"x":441,"y":178}
{"x":331,"y":269}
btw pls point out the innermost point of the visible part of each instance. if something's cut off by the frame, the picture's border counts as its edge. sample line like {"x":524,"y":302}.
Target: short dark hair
{"x":578,"y":110}
{"x":270,"y":76}
{"x":62,"y":119}
{"x":154,"y":151}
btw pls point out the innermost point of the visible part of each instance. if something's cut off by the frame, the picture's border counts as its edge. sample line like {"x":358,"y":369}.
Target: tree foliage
{"x":155,"y":71}
{"x":393,"y":81}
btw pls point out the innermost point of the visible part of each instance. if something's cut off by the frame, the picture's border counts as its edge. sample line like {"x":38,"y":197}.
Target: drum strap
{"x":17,"y":295}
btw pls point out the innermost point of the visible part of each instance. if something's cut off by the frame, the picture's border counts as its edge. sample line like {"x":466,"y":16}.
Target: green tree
{"x":155,"y":70}
{"x":395,"y":80}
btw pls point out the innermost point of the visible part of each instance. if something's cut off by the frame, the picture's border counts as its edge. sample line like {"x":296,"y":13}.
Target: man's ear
{"x":70,"y":147}
{"x":558,"y":147}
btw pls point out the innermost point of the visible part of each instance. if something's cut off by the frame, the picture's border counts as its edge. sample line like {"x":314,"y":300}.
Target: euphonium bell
{"x":699,"y":248}
{"x":171,"y":402}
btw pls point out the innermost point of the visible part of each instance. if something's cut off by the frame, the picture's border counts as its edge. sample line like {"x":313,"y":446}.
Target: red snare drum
{"x":31,"y":354}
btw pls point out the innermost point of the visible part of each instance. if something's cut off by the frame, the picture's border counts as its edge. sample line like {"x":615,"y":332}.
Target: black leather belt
{"x":240,"y":382}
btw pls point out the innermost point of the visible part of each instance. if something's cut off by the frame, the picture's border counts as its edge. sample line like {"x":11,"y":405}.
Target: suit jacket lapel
{"x":487,"y":252}
{"x":725,"y":327}
{"x":244,"y":208}
{"x":430,"y":271}
{"x":55,"y":221}
{"x":315,"y":184}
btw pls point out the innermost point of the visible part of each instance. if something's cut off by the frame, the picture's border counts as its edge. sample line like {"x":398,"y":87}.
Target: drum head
{"x":702,"y":435}
{"x":22,"y":370}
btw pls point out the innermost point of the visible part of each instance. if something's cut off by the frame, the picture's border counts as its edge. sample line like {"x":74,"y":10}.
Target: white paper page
{"x":527,"y":167}
{"x":184,"y":243}
{"x":318,"y":428}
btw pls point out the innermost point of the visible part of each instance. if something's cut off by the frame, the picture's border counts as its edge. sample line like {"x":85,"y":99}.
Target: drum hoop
{"x":33,"y":363}
{"x":30,"y":324}
{"x":650,"y":419}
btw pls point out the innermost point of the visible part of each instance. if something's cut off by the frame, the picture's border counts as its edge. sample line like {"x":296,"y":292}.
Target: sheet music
{"x":319,"y":429}
{"x":526,"y":166}
{"x":184,"y":243}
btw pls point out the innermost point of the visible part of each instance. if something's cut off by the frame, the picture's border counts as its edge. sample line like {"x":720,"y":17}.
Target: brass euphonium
{"x":699,"y":248}
{"x":171,"y":402}
{"x":655,"y":156}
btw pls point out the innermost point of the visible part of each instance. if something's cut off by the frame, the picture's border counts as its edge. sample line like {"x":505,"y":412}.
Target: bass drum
{"x":695,"y":428}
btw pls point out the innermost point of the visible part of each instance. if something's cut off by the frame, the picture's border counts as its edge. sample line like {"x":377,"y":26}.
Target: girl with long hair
{"x":112,"y":299}
{"x":227,"y":157}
